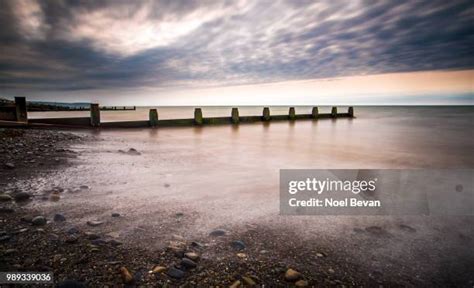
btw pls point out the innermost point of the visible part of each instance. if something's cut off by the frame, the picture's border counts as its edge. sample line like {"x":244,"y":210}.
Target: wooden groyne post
{"x":198,"y":116}
{"x":350,"y":111}
{"x":292,"y":113}
{"x":266,"y":114}
{"x":95,"y":115}
{"x":20,"y":107}
{"x":235,"y":115}
{"x":315,"y":113}
{"x":334,"y":112}
{"x":153,"y":115}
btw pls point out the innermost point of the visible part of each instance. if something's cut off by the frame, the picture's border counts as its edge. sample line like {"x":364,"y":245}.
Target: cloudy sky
{"x":236,"y":52}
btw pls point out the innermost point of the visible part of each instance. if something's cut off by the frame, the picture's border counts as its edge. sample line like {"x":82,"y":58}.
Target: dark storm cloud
{"x":69,"y":45}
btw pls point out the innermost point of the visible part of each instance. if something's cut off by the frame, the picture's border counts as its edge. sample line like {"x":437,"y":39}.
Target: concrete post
{"x":95,"y":115}
{"x":292,"y":113}
{"x":266,"y":114}
{"x":334,"y":112}
{"x":235,"y":115}
{"x":198,"y":116}
{"x":21,"y":114}
{"x":350,"y":111}
{"x":315,"y":113}
{"x":153,"y":115}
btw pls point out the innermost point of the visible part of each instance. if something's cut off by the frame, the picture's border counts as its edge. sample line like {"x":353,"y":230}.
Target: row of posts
{"x":198,"y":118}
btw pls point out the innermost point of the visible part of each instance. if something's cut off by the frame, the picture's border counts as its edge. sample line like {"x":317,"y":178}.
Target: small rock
{"x":330,"y":270}
{"x":192,"y":255}
{"x":5,"y":198}
{"x":10,"y":252}
{"x":407,"y":228}
{"x":238,"y":245}
{"x":72,"y":230}
{"x":115,"y":215}
{"x":71,"y":239}
{"x":127,"y":277}
{"x":84,"y":187}
{"x":241,"y":255}
{"x":114,"y":242}
{"x":54,"y":197}
{"x":217,"y":233}
{"x":179,"y":214}
{"x":133,"y":151}
{"x":9,"y":165}
{"x":158,"y":269}
{"x":21,"y":196}
{"x":188,"y":263}
{"x":94,"y":223}
{"x":175,"y":273}
{"x":92,"y":236}
{"x":196,"y":244}
{"x":236,"y":284}
{"x":248,"y":281}
{"x":301,"y":283}
{"x":292,"y":275}
{"x":38,"y":221}
{"x":319,"y":255}
{"x":6,"y":210}
{"x":58,"y":217}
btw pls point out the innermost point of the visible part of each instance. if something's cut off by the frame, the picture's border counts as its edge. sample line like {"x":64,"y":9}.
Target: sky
{"x":278,"y":52}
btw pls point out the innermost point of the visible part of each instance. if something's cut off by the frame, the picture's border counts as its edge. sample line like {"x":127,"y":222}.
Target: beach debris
{"x":174,"y":272}
{"x":9,"y":165}
{"x":192,"y":255}
{"x":5,"y":198}
{"x":301,"y":283}
{"x":188,"y":263}
{"x":38,"y":221}
{"x":127,"y":277}
{"x":58,"y":217}
{"x":217,"y":233}
{"x":292,"y":275}
{"x":238,"y":245}
{"x":248,"y":281}
{"x":94,"y":223}
{"x":21,"y":196}
{"x":158,"y":269}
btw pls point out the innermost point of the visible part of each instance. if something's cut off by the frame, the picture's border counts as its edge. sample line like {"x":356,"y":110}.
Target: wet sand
{"x":182,"y":184}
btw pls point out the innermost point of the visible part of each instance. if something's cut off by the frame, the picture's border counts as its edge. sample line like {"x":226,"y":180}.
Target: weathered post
{"x":266,"y":114}
{"x":315,"y":113}
{"x":350,"y":111}
{"x":153,"y":115}
{"x":21,"y":114}
{"x":292,"y":113}
{"x":235,"y":115}
{"x":198,"y":116}
{"x":334,"y":112}
{"x":95,"y":115}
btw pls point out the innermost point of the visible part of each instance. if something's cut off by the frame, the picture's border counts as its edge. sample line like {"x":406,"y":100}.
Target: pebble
{"x":94,"y":223}
{"x":330,"y":270}
{"x":38,"y":221}
{"x":54,"y":197}
{"x":248,"y":281}
{"x":10,"y":252}
{"x":192,"y":255}
{"x":72,"y":230}
{"x":236,"y":284}
{"x":84,"y":187}
{"x":237,"y":245}
{"x":158,"y":269}
{"x":21,"y":196}
{"x":127,"y":277}
{"x":218,"y":232}
{"x":58,"y":217}
{"x":301,"y":283}
{"x":319,"y":255}
{"x":196,"y":244}
{"x":188,"y":263}
{"x":5,"y":198}
{"x":92,"y":236}
{"x":71,"y":239}
{"x":292,"y":275}
{"x":175,"y":273}
{"x":115,"y":215}
{"x":9,"y":165}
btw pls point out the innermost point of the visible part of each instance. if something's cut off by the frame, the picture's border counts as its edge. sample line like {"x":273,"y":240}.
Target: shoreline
{"x":260,"y":251}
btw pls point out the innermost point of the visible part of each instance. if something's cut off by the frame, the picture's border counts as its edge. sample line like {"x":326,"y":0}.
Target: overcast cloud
{"x":76,"y":45}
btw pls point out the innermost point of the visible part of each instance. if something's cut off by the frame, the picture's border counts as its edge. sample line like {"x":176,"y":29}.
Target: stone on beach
{"x":58,"y":217}
{"x":38,"y":221}
{"x":158,"y":269}
{"x":192,"y":255}
{"x":188,"y":263}
{"x":175,"y":273}
{"x":127,"y":277}
{"x":292,"y":275}
{"x":94,"y":223}
{"x":9,"y":165}
{"x":218,"y":232}
{"x":5,"y":198}
{"x":21,"y":196}
{"x":238,"y":245}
